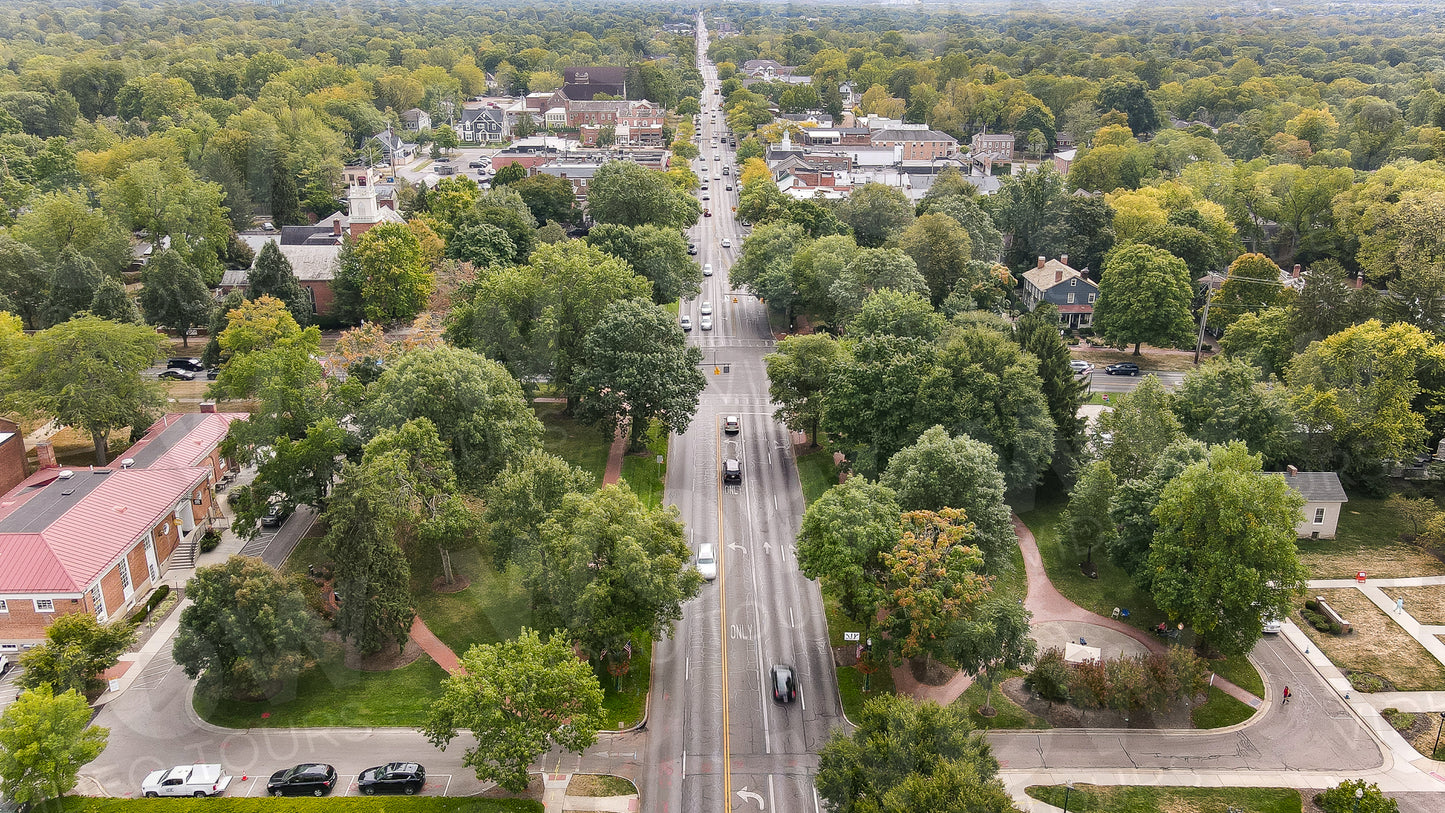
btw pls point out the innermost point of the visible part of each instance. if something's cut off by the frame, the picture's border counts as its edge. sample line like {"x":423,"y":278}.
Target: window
{"x":1073,"y":282}
{"x":4,"y":606}
{"x":44,"y":605}
{"x":97,"y":600}
{"x":1071,"y":297}
{"x":1092,"y":297}
{"x":1319,"y":516}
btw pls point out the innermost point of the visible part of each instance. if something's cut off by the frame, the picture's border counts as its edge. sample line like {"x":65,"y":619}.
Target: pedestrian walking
{"x":1286,"y":696}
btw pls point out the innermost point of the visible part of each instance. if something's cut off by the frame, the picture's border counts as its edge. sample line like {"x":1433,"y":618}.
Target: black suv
{"x":393,"y":777}
{"x":194,"y":365}
{"x":315,"y":779}
{"x":732,"y":471}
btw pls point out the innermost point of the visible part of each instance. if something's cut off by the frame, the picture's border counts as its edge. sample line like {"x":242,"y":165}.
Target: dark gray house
{"x":1054,"y":281}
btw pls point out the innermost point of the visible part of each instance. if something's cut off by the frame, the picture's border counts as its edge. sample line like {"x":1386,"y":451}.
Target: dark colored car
{"x":691,"y":249}
{"x":213,"y":373}
{"x":1122,"y":368}
{"x":178,"y":375}
{"x":732,"y":471}
{"x":785,"y":683}
{"x":194,"y":365}
{"x":311,"y":778}
{"x":393,"y":777}
{"x":275,"y":516}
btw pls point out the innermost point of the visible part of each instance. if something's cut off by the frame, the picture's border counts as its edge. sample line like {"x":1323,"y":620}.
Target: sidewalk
{"x":556,"y":800}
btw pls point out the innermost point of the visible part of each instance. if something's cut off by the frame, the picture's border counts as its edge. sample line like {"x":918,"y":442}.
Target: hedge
{"x":301,"y":804}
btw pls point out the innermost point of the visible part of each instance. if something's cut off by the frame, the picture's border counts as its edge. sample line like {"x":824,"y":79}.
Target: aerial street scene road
{"x":839,"y":407}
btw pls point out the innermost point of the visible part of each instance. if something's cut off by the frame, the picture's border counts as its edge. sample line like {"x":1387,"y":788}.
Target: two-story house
{"x":1055,"y":282}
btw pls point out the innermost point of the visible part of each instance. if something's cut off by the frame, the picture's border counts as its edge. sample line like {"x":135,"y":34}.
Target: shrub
{"x":1366,"y":682}
{"x":158,"y":596}
{"x":1050,"y":676}
{"x":210,"y":540}
{"x":1398,"y":720}
{"x":1341,"y":799}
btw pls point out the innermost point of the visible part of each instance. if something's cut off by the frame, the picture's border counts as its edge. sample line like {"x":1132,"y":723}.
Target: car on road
{"x":178,"y":375}
{"x":705,"y":196}
{"x":731,"y":425}
{"x":686,"y":323}
{"x":393,"y":777}
{"x":707,"y":561}
{"x":727,"y":243}
{"x":306,"y":779}
{"x":732,"y":471}
{"x":707,"y":213}
{"x":1081,"y":367}
{"x":707,"y":269}
{"x":1272,"y":625}
{"x":705,"y":308}
{"x":194,"y":365}
{"x":275,"y":516}
{"x":480,"y":163}
{"x":1122,"y":368}
{"x":730,"y":187}
{"x":705,"y":323}
{"x":784,"y":682}
{"x":691,"y":249}
{"x":213,"y":373}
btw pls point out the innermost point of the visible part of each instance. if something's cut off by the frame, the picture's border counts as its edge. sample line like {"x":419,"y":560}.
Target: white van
{"x":707,"y":561}
{"x":707,"y":269}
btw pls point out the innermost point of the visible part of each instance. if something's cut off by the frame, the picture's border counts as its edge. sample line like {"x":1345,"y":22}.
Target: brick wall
{"x":12,"y":457}
{"x":23,"y":625}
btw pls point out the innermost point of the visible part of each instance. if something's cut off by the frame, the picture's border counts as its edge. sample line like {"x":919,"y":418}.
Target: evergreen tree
{"x":272,"y":275}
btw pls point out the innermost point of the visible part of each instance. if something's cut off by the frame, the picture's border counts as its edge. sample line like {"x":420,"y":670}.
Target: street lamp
{"x":1068,"y":788}
{"x":1436,"y":749}
{"x":1359,"y":794}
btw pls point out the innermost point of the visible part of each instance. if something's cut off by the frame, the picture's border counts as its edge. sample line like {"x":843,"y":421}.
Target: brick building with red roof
{"x":98,"y":540}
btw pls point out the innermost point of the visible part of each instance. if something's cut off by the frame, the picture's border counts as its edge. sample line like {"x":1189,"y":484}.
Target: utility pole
{"x":1203,"y":318}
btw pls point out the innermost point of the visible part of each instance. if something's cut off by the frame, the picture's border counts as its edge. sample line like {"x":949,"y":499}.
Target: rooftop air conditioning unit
{"x":66,"y":474}
{"x":127,"y":463}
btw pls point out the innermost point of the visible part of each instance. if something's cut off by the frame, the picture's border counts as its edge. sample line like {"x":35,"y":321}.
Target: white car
{"x":686,"y":323}
{"x":726,"y":243}
{"x":1272,"y":625}
{"x":705,"y":197}
{"x":706,"y":308}
{"x":707,"y":269}
{"x":707,"y":561}
{"x":705,"y":323}
{"x":1081,"y":367}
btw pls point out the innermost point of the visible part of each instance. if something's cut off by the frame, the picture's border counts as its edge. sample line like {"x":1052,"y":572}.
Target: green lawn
{"x":582,"y":446}
{"x":1239,"y":671}
{"x":1219,"y":711}
{"x":236,"y":804}
{"x":642,"y":473}
{"x":625,"y":704}
{"x":329,"y":694}
{"x":850,"y":688}
{"x":1368,"y":539}
{"x":1137,"y":799}
{"x":1009,"y":714}
{"x":492,"y":609}
{"x":817,"y":473}
{"x":1113,"y":587}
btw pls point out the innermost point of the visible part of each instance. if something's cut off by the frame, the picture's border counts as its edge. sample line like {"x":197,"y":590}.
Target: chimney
{"x":208,"y":407}
{"x":336,"y":227}
{"x":1292,"y":470}
{"x":1058,"y":275}
{"x":1041,"y":261}
{"x":1064,"y":258}
{"x":45,"y":454}
{"x":1296,"y":271}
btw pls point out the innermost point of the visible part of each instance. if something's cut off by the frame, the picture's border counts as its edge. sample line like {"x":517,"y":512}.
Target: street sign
{"x":852,"y":636}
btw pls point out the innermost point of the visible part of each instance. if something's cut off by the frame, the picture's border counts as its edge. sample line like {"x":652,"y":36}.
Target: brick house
{"x":12,"y":456}
{"x":987,"y":149}
{"x":917,"y":145}
{"x":1054,"y":281}
{"x":98,"y":540}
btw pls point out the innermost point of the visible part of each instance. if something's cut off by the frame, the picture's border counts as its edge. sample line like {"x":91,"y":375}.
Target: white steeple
{"x":363,"y":212}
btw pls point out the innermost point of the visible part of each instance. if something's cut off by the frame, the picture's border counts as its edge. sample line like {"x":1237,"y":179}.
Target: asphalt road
{"x":716,"y":737}
{"x":1099,"y":381}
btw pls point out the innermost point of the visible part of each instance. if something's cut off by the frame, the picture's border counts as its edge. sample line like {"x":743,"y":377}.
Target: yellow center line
{"x":722,"y":584}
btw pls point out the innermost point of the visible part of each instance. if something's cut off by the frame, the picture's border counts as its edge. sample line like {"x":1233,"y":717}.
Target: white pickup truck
{"x":186,"y":780}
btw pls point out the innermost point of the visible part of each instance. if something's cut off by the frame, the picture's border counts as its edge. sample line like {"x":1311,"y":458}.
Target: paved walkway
{"x":434,"y":648}
{"x":614,"y":457}
{"x":1048,"y":604}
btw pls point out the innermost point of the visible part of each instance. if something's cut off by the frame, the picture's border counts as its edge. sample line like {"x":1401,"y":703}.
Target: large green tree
{"x":373,"y":576}
{"x":844,"y":535}
{"x":1086,"y":524}
{"x":45,"y":739}
{"x":994,"y":637}
{"x":1225,"y":400}
{"x":876,"y":213}
{"x":1144,"y":296}
{"x":519,"y":699}
{"x":384,"y":276}
{"x":86,"y":373}
{"x":173,"y":295}
{"x":23,"y":280}
{"x":657,"y":253}
{"x":1037,"y":333}
{"x":637,"y":368}
{"x":939,"y":472}
{"x":74,"y":279}
{"x":942,"y":248}
{"x":799,"y":372}
{"x":899,"y":749}
{"x":1139,"y":427}
{"x":247,"y":629}
{"x":1225,"y":550}
{"x":606,"y":567}
{"x":476,"y":406}
{"x":519,"y":500}
{"x":629,"y":194}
